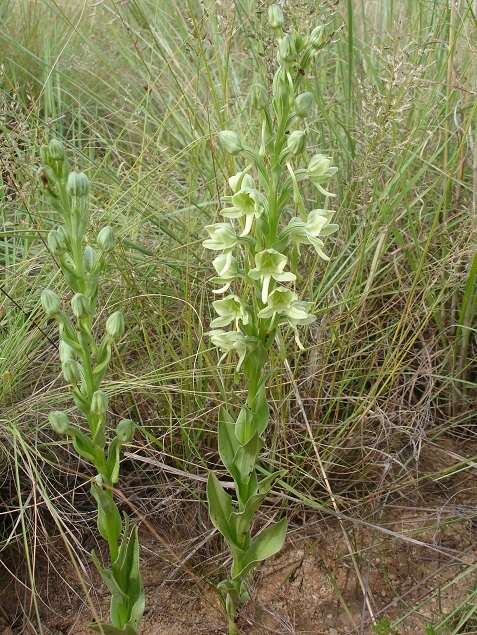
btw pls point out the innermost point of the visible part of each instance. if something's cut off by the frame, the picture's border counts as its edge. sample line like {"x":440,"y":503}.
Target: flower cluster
{"x":257,"y":246}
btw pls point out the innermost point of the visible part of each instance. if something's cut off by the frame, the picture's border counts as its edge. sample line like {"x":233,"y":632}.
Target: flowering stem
{"x":254,"y":263}
{"x":84,"y":364}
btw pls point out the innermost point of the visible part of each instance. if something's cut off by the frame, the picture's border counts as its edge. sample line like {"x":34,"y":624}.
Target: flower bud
{"x":80,"y":305}
{"x":275,"y":17}
{"x":59,"y":421}
{"x":316,"y":36}
{"x":54,"y":243}
{"x":115,"y":325}
{"x":99,"y":403}
{"x":304,"y":104}
{"x":72,"y":371}
{"x":89,"y":258}
{"x":56,"y":150}
{"x":230,"y":141}
{"x":286,"y":49}
{"x":296,"y":142}
{"x":106,"y":238}
{"x":258,"y":96}
{"x":240,"y":181}
{"x":50,"y":302}
{"x":125,"y":430}
{"x":77,"y":184}
{"x":66,"y":352}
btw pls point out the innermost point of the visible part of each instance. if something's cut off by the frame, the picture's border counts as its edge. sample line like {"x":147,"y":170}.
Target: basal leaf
{"x":266,"y":544}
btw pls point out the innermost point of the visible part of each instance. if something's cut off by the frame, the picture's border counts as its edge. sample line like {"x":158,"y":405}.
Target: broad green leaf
{"x":228,"y":442}
{"x":133,"y":581}
{"x":244,"y":429}
{"x":242,"y":521}
{"x":243,"y":468}
{"x":220,"y":508}
{"x":85,"y":447}
{"x":107,"y":576}
{"x":262,"y":413}
{"x":109,"y":518}
{"x":266,"y":544}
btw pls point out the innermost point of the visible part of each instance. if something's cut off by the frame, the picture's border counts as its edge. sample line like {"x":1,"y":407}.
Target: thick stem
{"x":231,"y":614}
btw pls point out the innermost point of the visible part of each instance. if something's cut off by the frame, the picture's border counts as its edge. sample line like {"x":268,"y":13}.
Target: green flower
{"x":296,"y":142}
{"x":270,"y":264}
{"x":247,"y":202}
{"x":222,"y":237}
{"x":228,"y":341}
{"x":285,"y":303}
{"x":304,"y":104}
{"x":230,"y":141}
{"x":227,"y":270}
{"x":307,"y":232}
{"x":320,"y":171}
{"x":230,"y":309}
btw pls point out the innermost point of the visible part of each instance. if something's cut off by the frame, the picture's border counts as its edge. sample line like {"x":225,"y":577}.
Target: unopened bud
{"x":275,"y":17}
{"x":56,"y":150}
{"x":316,"y":36}
{"x":72,"y":371}
{"x":50,"y":302}
{"x":296,"y":142}
{"x":66,"y":352}
{"x":304,"y":104}
{"x":80,"y":305}
{"x":115,"y":325}
{"x":240,"y":181}
{"x":54,"y":243}
{"x":59,"y":421}
{"x":286,"y":49}
{"x":106,"y":238}
{"x":125,"y":430}
{"x":230,"y":141}
{"x":77,"y":184}
{"x":89,"y":258}
{"x":99,"y":403}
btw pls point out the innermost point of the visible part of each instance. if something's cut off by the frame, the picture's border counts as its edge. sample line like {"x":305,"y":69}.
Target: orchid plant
{"x":84,"y":362}
{"x":259,"y":243}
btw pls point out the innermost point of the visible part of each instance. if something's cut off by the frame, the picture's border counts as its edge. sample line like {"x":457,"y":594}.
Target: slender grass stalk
{"x":255,"y":249}
{"x":84,"y":363}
